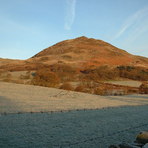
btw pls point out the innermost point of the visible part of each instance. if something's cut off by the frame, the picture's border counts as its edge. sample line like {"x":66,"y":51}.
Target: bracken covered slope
{"x":81,"y":52}
{"x":85,"y":52}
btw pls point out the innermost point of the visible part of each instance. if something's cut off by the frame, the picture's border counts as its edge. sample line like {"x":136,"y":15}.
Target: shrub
{"x":131,"y":72}
{"x":80,"y":88}
{"x":44,"y":77}
{"x":99,"y":73}
{"x":64,"y":72}
{"x":66,"y":86}
{"x":99,"y":91}
{"x":143,"y":88}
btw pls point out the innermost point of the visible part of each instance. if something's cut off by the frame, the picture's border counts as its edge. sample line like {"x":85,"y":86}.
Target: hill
{"x":81,"y":62}
{"x":81,"y":52}
{"x":85,"y":51}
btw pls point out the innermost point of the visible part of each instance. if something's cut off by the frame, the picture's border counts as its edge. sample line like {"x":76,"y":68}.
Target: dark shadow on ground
{"x":8,"y":106}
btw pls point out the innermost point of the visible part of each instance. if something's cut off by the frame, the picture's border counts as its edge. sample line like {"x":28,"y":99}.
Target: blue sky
{"x":29,"y":26}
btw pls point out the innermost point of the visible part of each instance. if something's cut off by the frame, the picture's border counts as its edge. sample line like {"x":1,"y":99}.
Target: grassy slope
{"x":26,"y":98}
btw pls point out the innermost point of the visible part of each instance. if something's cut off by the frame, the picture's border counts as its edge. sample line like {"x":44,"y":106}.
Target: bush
{"x":131,"y":72}
{"x":45,"y":77}
{"x":99,"y":73}
{"x":143,"y":88}
{"x":65,"y":72}
{"x":99,"y":91}
{"x":80,"y":88}
{"x":66,"y":86}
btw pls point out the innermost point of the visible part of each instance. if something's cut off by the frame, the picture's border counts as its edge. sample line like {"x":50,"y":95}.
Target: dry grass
{"x":27,"y":98}
{"x":131,"y":83}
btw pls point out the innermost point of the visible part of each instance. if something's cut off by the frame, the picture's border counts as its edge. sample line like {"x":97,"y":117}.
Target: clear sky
{"x":29,"y":26}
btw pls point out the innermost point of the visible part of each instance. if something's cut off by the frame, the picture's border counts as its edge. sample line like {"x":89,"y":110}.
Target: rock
{"x":142,"y":137}
{"x":145,"y":146}
{"x":141,"y":142}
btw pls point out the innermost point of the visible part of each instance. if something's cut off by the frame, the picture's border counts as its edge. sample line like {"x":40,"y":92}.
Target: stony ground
{"x":74,"y":129}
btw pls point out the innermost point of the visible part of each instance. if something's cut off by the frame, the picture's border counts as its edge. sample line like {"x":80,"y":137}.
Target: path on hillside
{"x":74,"y":129}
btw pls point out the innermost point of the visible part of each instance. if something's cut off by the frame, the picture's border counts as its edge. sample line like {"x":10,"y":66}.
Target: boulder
{"x":145,"y":146}
{"x":142,"y":137}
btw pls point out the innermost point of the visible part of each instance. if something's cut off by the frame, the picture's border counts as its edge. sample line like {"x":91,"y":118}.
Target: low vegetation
{"x":144,"y":88}
{"x":66,"y":86}
{"x":131,"y":72}
{"x":44,"y":77}
{"x":88,"y":80}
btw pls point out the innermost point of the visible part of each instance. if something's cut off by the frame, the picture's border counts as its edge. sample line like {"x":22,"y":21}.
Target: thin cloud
{"x":70,"y":14}
{"x":139,"y":30}
{"x":134,"y":21}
